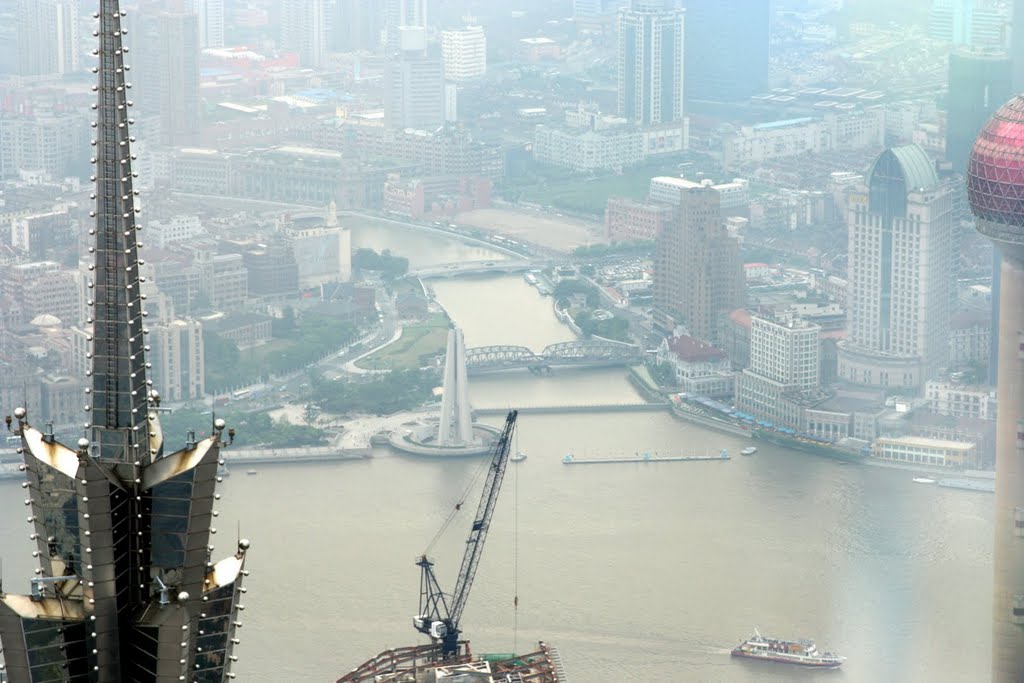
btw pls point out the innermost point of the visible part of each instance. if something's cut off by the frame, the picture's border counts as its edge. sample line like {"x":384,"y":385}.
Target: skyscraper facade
{"x":210,"y":17}
{"x":399,"y":13}
{"x":698,"y":269}
{"x":979,"y":83}
{"x":651,"y":62}
{"x":465,"y":54}
{"x":126,"y":589}
{"x":414,"y":94}
{"x":968,"y":22}
{"x":995,"y":188}
{"x":48,"y":37}
{"x":899,"y":273}
{"x":356,"y":25}
{"x":726,"y":49}
{"x":304,"y":30}
{"x":1017,"y":45}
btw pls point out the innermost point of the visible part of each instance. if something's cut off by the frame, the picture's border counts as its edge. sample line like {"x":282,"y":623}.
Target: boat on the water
{"x":923,"y":480}
{"x":530,"y":278}
{"x":799,"y":652}
{"x":518,"y":457}
{"x":749,"y":450}
{"x":251,"y":472}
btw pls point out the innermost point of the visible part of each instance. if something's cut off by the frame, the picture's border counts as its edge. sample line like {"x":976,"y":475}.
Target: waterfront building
{"x":995,"y":184}
{"x":303,"y":30}
{"x":784,"y":367}
{"x":650,"y":67}
{"x":899,"y":263}
{"x":726,"y":49}
{"x":125,"y":588}
{"x":49,"y":40}
{"x":919,"y":450}
{"x":698,"y":270}
{"x":959,"y":400}
{"x":700,"y":368}
{"x":979,"y":83}
{"x":970,"y":339}
{"x":465,"y":54}
{"x":322,"y":248}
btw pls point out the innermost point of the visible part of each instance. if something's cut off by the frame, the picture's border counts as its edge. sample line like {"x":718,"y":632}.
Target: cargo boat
{"x":969,"y":485}
{"x":799,"y":652}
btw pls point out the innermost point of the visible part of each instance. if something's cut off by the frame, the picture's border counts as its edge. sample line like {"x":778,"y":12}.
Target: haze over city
{"x":461,"y":340}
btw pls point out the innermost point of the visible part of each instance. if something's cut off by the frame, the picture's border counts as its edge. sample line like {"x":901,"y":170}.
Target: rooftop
{"x":693,"y":350}
{"x":925,"y":442}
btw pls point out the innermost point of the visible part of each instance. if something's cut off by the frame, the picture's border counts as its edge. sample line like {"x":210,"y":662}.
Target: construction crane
{"x":439,"y":615}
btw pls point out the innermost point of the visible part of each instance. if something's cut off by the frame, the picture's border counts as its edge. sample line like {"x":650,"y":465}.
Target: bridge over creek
{"x":580,"y":353}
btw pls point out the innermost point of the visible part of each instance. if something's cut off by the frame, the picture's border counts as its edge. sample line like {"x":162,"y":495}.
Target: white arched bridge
{"x":582,"y":353}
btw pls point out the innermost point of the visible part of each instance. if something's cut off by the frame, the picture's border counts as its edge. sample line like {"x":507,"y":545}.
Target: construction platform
{"x":423,"y":664}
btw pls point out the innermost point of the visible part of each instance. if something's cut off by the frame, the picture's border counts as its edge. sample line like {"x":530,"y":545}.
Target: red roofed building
{"x":699,"y":367}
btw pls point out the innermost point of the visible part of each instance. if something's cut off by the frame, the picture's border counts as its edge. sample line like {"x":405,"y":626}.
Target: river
{"x":636,"y":572}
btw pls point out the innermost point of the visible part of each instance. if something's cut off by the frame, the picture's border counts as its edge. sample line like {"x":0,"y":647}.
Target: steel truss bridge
{"x":583,"y":353}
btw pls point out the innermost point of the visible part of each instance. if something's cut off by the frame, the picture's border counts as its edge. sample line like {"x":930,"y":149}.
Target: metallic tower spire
{"x":995,"y":188}
{"x":125,"y":589}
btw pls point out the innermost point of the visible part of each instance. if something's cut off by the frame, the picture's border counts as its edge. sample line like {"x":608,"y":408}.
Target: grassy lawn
{"x":422,"y":339}
{"x":259,"y":354}
{"x":589,"y":195}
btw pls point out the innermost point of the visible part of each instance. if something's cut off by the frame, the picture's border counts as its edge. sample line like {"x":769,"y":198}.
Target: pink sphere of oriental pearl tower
{"x":995,"y":188}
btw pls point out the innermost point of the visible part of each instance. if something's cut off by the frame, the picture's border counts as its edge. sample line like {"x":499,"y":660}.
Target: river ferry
{"x":799,"y":652}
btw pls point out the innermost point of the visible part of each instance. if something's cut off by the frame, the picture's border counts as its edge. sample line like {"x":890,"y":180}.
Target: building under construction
{"x":425,"y":664}
{"x":447,"y":657}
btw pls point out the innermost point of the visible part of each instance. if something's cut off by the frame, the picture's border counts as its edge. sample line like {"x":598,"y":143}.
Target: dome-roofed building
{"x":900,"y":273}
{"x":995,"y":188}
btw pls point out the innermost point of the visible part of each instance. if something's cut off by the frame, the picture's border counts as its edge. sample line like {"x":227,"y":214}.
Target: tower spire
{"x":120,"y":390}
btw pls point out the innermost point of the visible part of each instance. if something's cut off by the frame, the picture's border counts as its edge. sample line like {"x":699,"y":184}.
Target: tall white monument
{"x":456,"y":428}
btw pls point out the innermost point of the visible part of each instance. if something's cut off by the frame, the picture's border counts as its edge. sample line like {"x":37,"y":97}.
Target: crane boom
{"x":482,"y":521}
{"x":439,"y":618}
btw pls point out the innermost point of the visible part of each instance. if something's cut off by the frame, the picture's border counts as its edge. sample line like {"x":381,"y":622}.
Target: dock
{"x":570,"y":459}
{"x":969,"y":485}
{"x":255,"y":456}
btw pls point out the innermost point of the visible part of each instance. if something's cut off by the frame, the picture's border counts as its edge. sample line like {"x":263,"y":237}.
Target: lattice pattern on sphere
{"x":995,"y":174}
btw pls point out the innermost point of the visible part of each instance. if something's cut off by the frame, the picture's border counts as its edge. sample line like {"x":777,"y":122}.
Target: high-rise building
{"x":651,"y":62}
{"x":698,"y":270}
{"x":167,"y":71}
{"x":784,"y":363}
{"x":1017,"y":45}
{"x":979,"y":83}
{"x":303,"y":30}
{"x":465,"y":53}
{"x":126,"y":589}
{"x":48,"y":37}
{"x":726,"y":49}
{"x":402,"y":13}
{"x":210,"y":15}
{"x":50,"y":143}
{"x":414,"y":90}
{"x":900,"y":274}
{"x":995,"y":188}
{"x":356,"y":25}
{"x":966,"y":22}
{"x":588,"y":9}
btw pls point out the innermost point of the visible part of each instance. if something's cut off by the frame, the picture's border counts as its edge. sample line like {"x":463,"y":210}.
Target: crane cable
{"x":481,"y":468}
